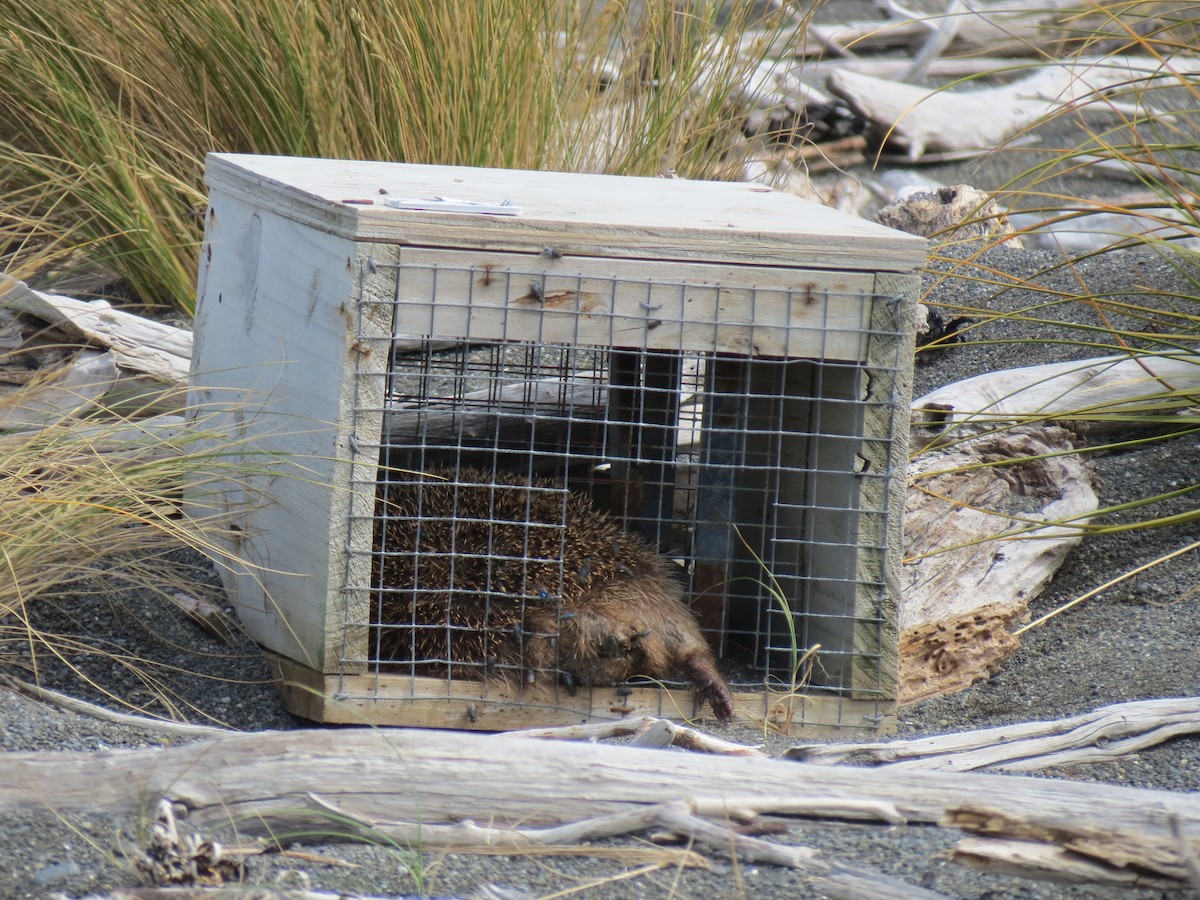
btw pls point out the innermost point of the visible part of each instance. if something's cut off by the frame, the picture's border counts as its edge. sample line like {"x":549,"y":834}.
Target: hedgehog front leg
{"x":700,"y":669}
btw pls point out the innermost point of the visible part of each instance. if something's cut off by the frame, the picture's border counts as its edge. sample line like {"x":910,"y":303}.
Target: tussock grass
{"x":92,"y":506}
{"x":111,"y":105}
{"x":1144,"y":134}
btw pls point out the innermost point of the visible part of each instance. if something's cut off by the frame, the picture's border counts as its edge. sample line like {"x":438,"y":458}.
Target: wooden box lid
{"x":588,"y":215}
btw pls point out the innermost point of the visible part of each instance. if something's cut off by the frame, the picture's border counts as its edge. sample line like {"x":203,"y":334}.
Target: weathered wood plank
{"x":273,"y":383}
{"x":599,"y":215}
{"x":393,"y":699}
{"x":580,"y":301}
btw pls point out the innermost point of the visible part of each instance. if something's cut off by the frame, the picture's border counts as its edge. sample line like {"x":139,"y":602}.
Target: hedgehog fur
{"x":508,"y":575}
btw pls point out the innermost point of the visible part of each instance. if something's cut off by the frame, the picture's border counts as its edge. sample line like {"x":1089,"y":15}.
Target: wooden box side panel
{"x":388,"y":700}
{"x":274,"y":340}
{"x":889,"y":373}
{"x":653,"y":304}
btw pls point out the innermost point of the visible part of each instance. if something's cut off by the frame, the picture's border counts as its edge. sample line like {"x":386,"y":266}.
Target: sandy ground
{"x":1136,"y":641}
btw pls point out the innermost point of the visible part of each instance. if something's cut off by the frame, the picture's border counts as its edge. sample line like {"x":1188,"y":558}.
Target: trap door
{"x":776,"y":552}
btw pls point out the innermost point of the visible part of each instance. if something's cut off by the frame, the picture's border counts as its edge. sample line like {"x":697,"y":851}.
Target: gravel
{"x":1136,"y":641}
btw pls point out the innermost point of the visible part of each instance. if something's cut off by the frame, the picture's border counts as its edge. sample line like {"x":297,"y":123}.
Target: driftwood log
{"x":1101,"y":735}
{"x":138,"y":344}
{"x":1011,"y":27}
{"x":60,"y":356}
{"x":1107,"y":392}
{"x":911,"y":121}
{"x":433,"y":786}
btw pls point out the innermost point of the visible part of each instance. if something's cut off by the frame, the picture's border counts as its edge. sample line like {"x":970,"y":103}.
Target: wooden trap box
{"x":722,"y":369}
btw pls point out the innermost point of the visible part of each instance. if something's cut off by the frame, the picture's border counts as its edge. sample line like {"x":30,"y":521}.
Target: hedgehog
{"x":515,"y":575}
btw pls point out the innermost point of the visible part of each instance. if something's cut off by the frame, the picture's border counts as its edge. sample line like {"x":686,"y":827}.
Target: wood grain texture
{"x":594,"y":215}
{"x":415,"y":775}
{"x":274,"y":353}
{"x":651,"y":304}
{"x":392,"y":698}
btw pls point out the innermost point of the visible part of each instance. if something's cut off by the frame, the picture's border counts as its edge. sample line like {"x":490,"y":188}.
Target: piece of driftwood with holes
{"x":432,"y":786}
{"x":980,"y":542}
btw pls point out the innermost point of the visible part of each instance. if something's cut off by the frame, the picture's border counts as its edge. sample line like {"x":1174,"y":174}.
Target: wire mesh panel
{"x":613,"y":445}
{"x":582,"y":483}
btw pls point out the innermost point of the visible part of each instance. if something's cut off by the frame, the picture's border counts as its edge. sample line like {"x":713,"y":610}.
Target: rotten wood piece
{"x":953,"y":214}
{"x":1089,"y":851}
{"x":978,"y":548}
{"x":1033,"y":859}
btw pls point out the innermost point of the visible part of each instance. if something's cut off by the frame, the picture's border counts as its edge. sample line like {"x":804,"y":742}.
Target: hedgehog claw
{"x":712,"y":686}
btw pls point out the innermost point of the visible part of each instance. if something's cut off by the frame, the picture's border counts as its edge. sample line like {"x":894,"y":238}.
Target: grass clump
{"x":113,"y":104}
{"x":1139,"y":143}
{"x":91,"y":507}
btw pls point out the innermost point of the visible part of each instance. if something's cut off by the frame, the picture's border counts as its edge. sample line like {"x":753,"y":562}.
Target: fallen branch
{"x":672,"y":735}
{"x":911,"y":121}
{"x":1104,"y":734}
{"x":1010,"y":27}
{"x":1032,"y":859}
{"x":402,"y":777}
{"x":82,"y":707}
{"x":1110,"y":391}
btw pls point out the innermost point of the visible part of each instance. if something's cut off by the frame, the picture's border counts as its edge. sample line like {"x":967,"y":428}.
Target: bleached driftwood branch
{"x":1103,"y":734}
{"x":915,"y":121}
{"x":137,"y":344}
{"x":82,"y":707}
{"x":387,"y":778}
{"x":650,"y":731}
{"x":84,"y":354}
{"x":1108,"y":391}
{"x":1010,"y":27}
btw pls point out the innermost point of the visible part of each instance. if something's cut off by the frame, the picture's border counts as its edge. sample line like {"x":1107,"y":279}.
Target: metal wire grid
{"x":748,"y":469}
